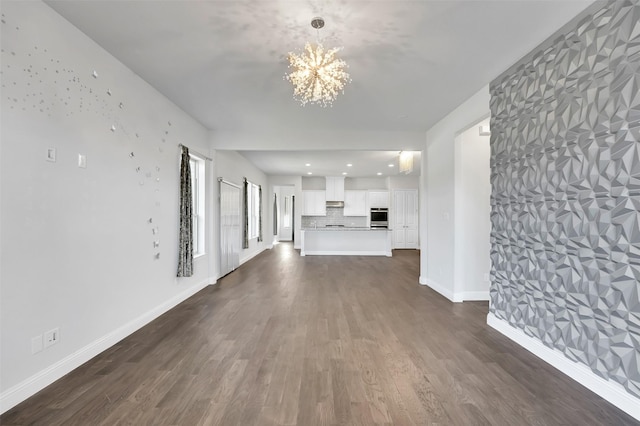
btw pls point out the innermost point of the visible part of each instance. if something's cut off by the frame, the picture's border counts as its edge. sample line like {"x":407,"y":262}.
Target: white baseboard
{"x":23,"y":390}
{"x":440,"y":289}
{"x":251,"y":256}
{"x":474,"y":295}
{"x":455,"y":297}
{"x":610,"y":391}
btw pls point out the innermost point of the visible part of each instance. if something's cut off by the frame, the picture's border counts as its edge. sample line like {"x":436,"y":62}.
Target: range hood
{"x":338,"y":204}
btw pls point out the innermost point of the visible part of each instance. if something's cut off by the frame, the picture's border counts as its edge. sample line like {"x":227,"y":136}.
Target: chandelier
{"x":405,"y":160}
{"x":317,"y":75}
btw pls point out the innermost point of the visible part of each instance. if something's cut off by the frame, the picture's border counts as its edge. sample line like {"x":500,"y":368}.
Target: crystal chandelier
{"x":317,"y":75}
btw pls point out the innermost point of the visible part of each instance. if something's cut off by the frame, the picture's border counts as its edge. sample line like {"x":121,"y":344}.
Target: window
{"x":197,"y":166}
{"x":253,"y":199}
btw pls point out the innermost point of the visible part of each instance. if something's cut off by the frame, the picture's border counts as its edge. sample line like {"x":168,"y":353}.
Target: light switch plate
{"x":36,"y":344}
{"x":82,"y":161}
{"x":484,"y":131}
{"x":51,"y":155}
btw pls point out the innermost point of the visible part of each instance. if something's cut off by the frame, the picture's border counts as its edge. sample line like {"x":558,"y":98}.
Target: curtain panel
{"x":275,"y":214}
{"x":245,"y":214}
{"x":259,"y":213}
{"x":185,"y":241}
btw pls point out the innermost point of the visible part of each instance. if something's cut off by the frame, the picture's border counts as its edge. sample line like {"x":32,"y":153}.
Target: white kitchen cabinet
{"x":379,"y":199}
{"x":335,"y":188}
{"x":405,"y":218}
{"x":314,"y":203}
{"x":355,"y":203}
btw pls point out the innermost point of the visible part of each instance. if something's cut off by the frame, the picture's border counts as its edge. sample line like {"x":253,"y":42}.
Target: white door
{"x":399,"y":207}
{"x":405,"y":219}
{"x":230,"y":221}
{"x":411,"y":219}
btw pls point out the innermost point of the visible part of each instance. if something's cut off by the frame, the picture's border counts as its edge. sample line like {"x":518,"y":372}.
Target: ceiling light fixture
{"x":317,"y":75}
{"x":379,"y":173}
{"x":308,"y":165}
{"x":349,"y":165}
{"x":405,"y":161}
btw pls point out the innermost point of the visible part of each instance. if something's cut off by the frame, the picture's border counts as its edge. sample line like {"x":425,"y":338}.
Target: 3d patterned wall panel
{"x":565,"y":176}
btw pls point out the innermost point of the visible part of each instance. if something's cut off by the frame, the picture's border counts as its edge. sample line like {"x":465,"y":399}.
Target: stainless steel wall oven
{"x":379,"y":218}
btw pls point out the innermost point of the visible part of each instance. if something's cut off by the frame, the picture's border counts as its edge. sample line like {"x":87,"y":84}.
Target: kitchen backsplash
{"x":334,"y":216}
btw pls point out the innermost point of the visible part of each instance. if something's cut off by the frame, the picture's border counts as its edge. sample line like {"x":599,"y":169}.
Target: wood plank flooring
{"x":290,"y":340}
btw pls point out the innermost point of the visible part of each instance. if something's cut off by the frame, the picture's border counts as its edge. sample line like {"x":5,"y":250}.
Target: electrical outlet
{"x":51,"y":337}
{"x":486,"y":277}
{"x":51,"y":155}
{"x":36,"y":344}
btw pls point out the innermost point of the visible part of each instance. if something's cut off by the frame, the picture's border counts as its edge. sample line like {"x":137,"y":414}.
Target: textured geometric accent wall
{"x":565,"y":203}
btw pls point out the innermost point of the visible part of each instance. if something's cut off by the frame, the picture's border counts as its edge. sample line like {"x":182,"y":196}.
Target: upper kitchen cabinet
{"x":314,"y":203}
{"x":335,"y":188}
{"x":355,"y":203}
{"x":379,"y":199}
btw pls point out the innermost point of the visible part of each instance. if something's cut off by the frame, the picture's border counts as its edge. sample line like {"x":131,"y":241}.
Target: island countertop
{"x":344,"y":228}
{"x":345,"y":241}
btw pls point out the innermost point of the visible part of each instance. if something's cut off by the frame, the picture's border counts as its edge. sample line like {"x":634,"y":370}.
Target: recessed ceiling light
{"x":379,"y":173}
{"x":349,"y":165}
{"x":309,"y":173}
{"x":344,"y":173}
{"x":390,"y":165}
{"x":308,"y":164}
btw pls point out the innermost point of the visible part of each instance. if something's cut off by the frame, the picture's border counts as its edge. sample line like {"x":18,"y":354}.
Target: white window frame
{"x":197,"y":166}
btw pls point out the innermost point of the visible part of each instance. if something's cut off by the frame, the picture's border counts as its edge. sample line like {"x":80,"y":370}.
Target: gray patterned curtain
{"x":245,"y":213}
{"x":275,"y":214}
{"x":259,"y":213}
{"x":185,"y":250}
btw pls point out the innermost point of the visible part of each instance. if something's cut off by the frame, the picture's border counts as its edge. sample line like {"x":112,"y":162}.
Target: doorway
{"x":472,"y":211}
{"x":284,"y":212}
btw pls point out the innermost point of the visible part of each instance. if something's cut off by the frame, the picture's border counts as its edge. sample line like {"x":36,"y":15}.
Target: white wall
{"x":472,"y":221}
{"x":437,"y":232}
{"x":366,"y":183}
{"x":314,"y":183}
{"x":77,"y":244}
{"x":404,"y":182}
{"x":233,"y":167}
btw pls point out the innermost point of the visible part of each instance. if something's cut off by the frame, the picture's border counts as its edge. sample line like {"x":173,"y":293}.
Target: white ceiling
{"x":411,"y":62}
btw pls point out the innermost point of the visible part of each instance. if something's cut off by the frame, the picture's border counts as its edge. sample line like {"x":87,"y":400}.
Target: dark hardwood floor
{"x":290,"y":340}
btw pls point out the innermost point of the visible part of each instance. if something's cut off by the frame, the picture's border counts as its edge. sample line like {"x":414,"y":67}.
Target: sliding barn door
{"x":230,"y":227}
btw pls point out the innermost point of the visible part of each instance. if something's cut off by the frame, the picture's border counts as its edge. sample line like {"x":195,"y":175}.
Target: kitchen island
{"x":343,"y":241}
